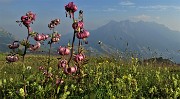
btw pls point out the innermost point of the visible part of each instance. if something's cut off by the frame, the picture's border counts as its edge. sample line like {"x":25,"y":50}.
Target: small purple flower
{"x":28,"y":19}
{"x":55,"y":37}
{"x":70,"y":70}
{"x":47,"y":74}
{"x":62,"y":63}
{"x":14,"y":45}
{"x":41,"y":68}
{"x":53,"y":23}
{"x":78,"y":25}
{"x":35,"y":47}
{"x":12,"y":58}
{"x":59,"y":81}
{"x":31,"y":15}
{"x":63,"y":50}
{"x":79,"y":57}
{"x":40,"y":37}
{"x":83,"y":34}
{"x":70,"y":9}
{"x":81,"y":24}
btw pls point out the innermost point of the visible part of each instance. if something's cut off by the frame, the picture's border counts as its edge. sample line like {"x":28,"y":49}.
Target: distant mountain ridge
{"x":148,"y":38}
{"x":5,"y":39}
{"x":144,"y":37}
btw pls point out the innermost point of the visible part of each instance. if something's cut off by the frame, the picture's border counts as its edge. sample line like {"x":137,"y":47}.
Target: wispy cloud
{"x":157,"y":17}
{"x":160,"y":7}
{"x":126,"y":3}
{"x":109,"y":10}
{"x":142,"y":17}
{"x":113,"y":10}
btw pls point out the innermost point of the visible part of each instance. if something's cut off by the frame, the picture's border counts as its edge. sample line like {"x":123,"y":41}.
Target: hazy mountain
{"x":148,"y":38}
{"x":5,"y":39}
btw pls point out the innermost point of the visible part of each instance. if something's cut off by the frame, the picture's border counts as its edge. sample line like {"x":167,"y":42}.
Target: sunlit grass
{"x":103,"y":77}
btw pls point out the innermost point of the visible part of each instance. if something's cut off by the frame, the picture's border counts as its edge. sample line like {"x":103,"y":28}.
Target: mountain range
{"x":149,"y":39}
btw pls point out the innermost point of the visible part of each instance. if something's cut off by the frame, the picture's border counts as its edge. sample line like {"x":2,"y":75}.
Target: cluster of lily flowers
{"x":63,"y":64}
{"x":81,"y":33}
{"x":54,"y":23}
{"x":27,"y":19}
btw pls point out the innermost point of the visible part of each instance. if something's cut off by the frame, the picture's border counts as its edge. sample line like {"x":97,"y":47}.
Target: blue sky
{"x":96,"y":13}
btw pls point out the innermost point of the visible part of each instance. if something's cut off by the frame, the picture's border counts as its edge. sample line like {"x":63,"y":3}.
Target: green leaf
{"x":20,"y":52}
{"x":58,"y":89}
{"x":0,"y":83}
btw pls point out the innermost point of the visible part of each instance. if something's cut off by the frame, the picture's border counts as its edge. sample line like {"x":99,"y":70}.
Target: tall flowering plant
{"x":71,"y":61}
{"x":73,"y":64}
{"x":26,"y":20}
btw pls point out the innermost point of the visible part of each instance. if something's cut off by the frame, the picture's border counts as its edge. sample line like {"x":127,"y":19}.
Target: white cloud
{"x":113,"y":10}
{"x":160,"y":7}
{"x":157,"y":17}
{"x":110,"y":9}
{"x":126,"y":3}
{"x":142,"y":17}
{"x":176,"y":7}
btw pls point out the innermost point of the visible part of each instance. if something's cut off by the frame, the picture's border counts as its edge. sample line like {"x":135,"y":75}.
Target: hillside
{"x":5,"y":38}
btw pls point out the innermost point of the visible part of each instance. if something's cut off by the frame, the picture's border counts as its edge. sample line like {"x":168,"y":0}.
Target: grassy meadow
{"x":101,"y":78}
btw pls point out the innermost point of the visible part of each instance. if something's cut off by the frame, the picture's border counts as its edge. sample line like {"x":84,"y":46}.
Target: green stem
{"x":79,"y":46}
{"x":72,"y":49}
{"x":49,"y":58}
{"x":25,"y":49}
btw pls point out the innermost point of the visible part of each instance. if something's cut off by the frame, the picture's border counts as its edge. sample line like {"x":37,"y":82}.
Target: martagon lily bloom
{"x":53,"y":23}
{"x":83,"y":34}
{"x":70,"y":9}
{"x":62,"y":63}
{"x":55,"y":37}
{"x":70,"y":70}
{"x":14,"y":45}
{"x":28,"y":19}
{"x":12,"y":58}
{"x":63,"y":50}
{"x":79,"y":57}
{"x":77,"y":26}
{"x":31,"y":15}
{"x":34,"y":47}
{"x":39,"y":37}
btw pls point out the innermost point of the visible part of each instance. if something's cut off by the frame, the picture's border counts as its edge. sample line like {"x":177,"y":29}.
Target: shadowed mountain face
{"x":5,"y":39}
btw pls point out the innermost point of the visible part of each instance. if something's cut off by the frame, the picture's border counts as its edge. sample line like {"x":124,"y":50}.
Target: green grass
{"x":102,"y":78}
